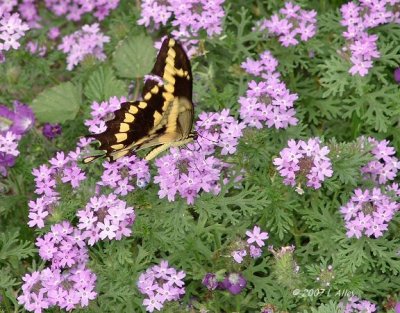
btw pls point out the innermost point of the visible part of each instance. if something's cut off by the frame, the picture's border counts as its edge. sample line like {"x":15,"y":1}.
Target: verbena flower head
{"x":67,"y":289}
{"x":87,"y":41}
{"x":63,"y":246}
{"x":188,"y":172}
{"x":63,"y":169}
{"x":189,"y":17}
{"x":252,"y":247}
{"x":124,"y":174}
{"x":368,"y":212}
{"x":385,"y":166}
{"x":101,"y":112}
{"x":396,"y":75}
{"x":361,"y":48}
{"x":105,"y":217}
{"x":8,"y":151}
{"x":12,"y":29}
{"x":19,"y":120}
{"x":210,"y":281}
{"x":292,"y":25}
{"x":234,"y":283}
{"x":304,"y":162}
{"x":356,"y":305}
{"x":73,"y":10}
{"x":268,"y":101}
{"x":51,"y":131}
{"x":160,"y":284}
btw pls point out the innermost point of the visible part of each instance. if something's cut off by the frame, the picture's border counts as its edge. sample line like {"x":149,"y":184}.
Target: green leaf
{"x":58,"y":104}
{"x":134,"y":56}
{"x":103,"y":84}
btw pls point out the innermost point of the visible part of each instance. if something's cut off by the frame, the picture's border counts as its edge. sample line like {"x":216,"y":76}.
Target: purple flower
{"x":161,"y":284}
{"x":19,"y":120}
{"x":234,"y":283}
{"x":51,"y":131}
{"x":361,"y":48}
{"x":87,"y":41}
{"x":304,"y":161}
{"x":257,"y":236}
{"x":385,"y":166}
{"x":68,"y":289}
{"x":355,"y":305}
{"x":105,"y":217}
{"x":53,"y":33}
{"x":396,"y":75}
{"x":267,"y":101}
{"x":11,"y":30}
{"x":210,"y":281}
{"x":124,"y":174}
{"x":292,"y":25}
{"x":73,"y":10}
{"x":397,"y":308}
{"x":368,"y":212}
{"x":188,"y":17}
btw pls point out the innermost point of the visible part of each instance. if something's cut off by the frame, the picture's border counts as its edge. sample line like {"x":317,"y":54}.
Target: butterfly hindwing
{"x":163,"y":118}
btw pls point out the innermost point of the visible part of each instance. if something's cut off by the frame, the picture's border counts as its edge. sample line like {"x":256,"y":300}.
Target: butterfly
{"x":164,"y":117}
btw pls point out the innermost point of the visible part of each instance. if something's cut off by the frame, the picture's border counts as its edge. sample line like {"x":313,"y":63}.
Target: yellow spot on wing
{"x":119,"y":154}
{"x":169,"y":78}
{"x":171,"y":53}
{"x":168,"y":96}
{"x":123,"y":127}
{"x":170,"y":88}
{"x":180,"y":72}
{"x":171,"y":43}
{"x":129,"y":118}
{"x":154,"y":89}
{"x":143,"y":105}
{"x":157,"y":117}
{"x":121,"y":136}
{"x":147,"y":96}
{"x":170,"y":61}
{"x":118,"y":146}
{"x":170,"y":69}
{"x":133,"y":109}
{"x":89,"y":159}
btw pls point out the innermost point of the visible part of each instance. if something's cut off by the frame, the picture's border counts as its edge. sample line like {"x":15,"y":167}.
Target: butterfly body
{"x":164,"y":117}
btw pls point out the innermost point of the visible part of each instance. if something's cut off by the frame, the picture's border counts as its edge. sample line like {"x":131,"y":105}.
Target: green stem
{"x":137,"y":89}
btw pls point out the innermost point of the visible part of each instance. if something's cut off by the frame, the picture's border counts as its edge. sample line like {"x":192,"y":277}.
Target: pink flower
{"x":257,"y":236}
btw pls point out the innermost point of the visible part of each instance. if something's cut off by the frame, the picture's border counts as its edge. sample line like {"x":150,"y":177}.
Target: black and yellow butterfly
{"x":164,"y":117}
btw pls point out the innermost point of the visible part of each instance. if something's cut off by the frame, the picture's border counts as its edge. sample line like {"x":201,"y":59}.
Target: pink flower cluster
{"x":189,"y":171}
{"x":13,"y":125}
{"x":356,"y":305}
{"x":368,"y":212}
{"x":63,"y":246}
{"x":26,"y":9}
{"x":75,"y":9}
{"x":82,"y":43}
{"x":189,"y":16}
{"x":267,"y":101}
{"x":101,"y":112}
{"x":160,"y":284}
{"x":123,"y":174}
{"x":12,"y":29}
{"x":67,"y":283}
{"x":249,"y":248}
{"x":292,"y":25}
{"x":68,"y":289}
{"x":304,"y":161}
{"x":105,"y":217}
{"x":63,"y":169}
{"x":358,"y":18}
{"x":385,"y":166}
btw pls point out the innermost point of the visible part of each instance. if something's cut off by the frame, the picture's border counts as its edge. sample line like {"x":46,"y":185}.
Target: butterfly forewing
{"x":165,"y":115}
